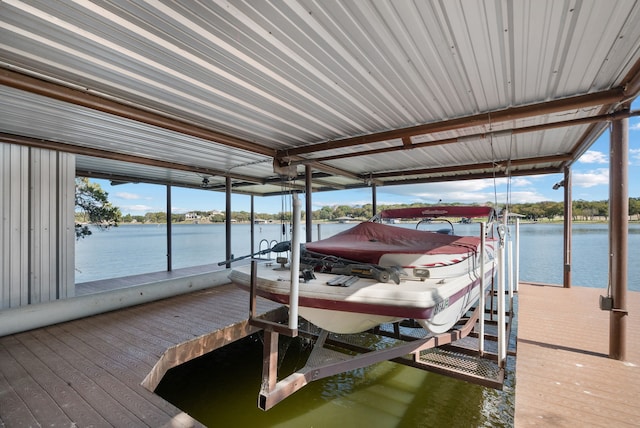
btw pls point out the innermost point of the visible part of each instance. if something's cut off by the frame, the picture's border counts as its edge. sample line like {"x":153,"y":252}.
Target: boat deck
{"x":88,"y":372}
{"x":564,"y":376}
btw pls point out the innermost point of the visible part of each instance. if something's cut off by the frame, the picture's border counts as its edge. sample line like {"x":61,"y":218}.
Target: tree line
{"x":581,"y":211}
{"x":93,"y":207}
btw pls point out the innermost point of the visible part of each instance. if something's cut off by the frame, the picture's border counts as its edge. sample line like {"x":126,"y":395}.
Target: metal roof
{"x":359,"y":91}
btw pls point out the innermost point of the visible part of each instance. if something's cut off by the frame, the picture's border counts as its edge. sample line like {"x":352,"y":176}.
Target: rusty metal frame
{"x":272,"y":391}
{"x":610,"y":96}
{"x":407,"y":145}
{"x":100,"y":102}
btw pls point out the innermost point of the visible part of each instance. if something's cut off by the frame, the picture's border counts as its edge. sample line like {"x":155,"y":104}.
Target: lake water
{"x":221,"y":388}
{"x":134,"y":249}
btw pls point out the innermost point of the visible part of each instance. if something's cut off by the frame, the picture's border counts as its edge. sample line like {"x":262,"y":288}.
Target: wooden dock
{"x":564,"y":377}
{"x":89,"y":372}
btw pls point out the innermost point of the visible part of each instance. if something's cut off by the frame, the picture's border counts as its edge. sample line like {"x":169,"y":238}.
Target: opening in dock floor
{"x":221,"y":389}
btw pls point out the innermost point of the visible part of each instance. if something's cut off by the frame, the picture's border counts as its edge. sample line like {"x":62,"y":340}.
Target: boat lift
{"x":461,"y":352}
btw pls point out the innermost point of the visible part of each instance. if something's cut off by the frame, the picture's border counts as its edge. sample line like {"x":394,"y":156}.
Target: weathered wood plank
{"x":63,"y":361}
{"x":89,"y":371}
{"x":50,"y":398}
{"x":14,"y":411}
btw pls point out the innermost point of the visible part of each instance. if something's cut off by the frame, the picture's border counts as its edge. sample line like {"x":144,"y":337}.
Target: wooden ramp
{"x":89,"y":372}
{"x":564,"y":377}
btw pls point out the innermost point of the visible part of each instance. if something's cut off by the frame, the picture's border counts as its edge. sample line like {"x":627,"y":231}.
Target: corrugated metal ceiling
{"x":396,"y":91}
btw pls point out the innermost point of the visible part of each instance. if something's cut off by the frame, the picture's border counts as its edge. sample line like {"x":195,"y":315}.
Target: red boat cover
{"x":430,"y":212}
{"x":368,"y":241}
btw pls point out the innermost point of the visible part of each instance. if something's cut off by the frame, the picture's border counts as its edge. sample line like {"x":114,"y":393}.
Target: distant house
{"x":346,"y":219}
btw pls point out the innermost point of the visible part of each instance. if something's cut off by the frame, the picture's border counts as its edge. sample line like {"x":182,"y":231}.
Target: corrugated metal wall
{"x":37,"y":231}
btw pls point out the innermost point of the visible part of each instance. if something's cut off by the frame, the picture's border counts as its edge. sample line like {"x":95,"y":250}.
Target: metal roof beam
{"x":513,"y":131}
{"x":581,"y":101}
{"x":317,"y":177}
{"x":632,"y":82}
{"x":101,"y":103}
{"x":475,"y":176}
{"x":104,"y":154}
{"x":503,"y":163}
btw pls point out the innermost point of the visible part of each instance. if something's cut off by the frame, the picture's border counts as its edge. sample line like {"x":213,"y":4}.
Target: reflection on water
{"x":221,"y":390}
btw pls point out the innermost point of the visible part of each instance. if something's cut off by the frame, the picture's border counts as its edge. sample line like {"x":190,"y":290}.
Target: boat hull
{"x":436,"y":303}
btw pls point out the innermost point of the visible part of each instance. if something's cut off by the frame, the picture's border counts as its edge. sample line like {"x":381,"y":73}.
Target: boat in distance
{"x":377,"y":272}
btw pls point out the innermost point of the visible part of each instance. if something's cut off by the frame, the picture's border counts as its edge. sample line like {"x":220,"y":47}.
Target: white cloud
{"x":520,"y":182}
{"x":137,"y":209}
{"x":127,"y":196}
{"x":180,"y":210}
{"x":525,"y":197}
{"x":478,"y":191}
{"x":634,"y":126}
{"x":593,"y":156}
{"x":634,"y":156}
{"x":590,"y":178}
{"x":436,"y":191}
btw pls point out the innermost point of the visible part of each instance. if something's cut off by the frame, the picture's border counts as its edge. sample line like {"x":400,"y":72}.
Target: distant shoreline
{"x":356,"y":221}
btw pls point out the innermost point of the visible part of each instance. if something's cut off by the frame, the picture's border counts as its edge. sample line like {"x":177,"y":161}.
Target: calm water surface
{"x":221,"y":388}
{"x":134,"y":249}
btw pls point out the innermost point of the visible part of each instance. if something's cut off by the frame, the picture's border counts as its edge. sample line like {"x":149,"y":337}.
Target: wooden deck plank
{"x":563,"y":374}
{"x":127,"y":385}
{"x":15,"y":411}
{"x":146,"y":331}
{"x":89,"y":371}
{"x":119,"y":382}
{"x":109,"y":341}
{"x":61,"y":360}
{"x":68,"y":405}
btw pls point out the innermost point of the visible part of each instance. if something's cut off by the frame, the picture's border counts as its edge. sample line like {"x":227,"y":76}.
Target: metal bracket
{"x":606,"y":303}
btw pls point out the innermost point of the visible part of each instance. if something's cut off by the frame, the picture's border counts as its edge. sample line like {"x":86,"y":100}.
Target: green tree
{"x":634,"y":207}
{"x":93,"y":208}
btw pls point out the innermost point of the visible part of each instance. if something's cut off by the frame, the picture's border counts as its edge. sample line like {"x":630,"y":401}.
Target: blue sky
{"x":590,"y":175}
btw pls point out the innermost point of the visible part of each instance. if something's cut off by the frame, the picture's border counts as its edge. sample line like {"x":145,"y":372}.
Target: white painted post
{"x":517,"y":255}
{"x":295,"y":265}
{"x":501,"y":286}
{"x":510,"y":262}
{"x":481,"y":302}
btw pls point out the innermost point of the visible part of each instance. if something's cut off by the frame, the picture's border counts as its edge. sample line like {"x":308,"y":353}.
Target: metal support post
{"x":269,"y":367}
{"x":169,"y":231}
{"x":481,"y":302}
{"x":308,"y":203}
{"x":618,"y":240}
{"x":509,"y":265}
{"x":568,"y":221}
{"x":502,"y":348}
{"x":227,"y":228}
{"x":517,"y":256}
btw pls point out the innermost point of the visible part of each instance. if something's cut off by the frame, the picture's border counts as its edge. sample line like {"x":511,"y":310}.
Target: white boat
{"x":376,"y":273}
